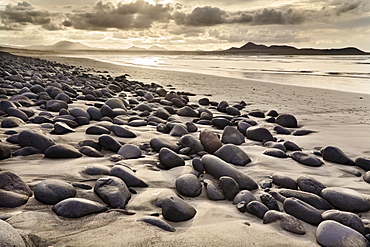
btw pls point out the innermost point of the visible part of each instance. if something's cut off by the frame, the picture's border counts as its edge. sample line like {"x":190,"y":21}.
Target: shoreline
{"x":336,"y":118}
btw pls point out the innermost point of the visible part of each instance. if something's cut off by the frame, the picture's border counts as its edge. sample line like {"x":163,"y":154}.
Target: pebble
{"x":287,"y":120}
{"x":363,"y":163}
{"x":213,"y":190}
{"x":210,"y":141}
{"x":192,"y":142}
{"x":62,"y":151}
{"x":346,"y":199}
{"x":310,"y":184}
{"x":77,"y":207}
{"x":113,"y":191}
{"x":4,"y":151}
{"x":336,"y":155}
{"x":302,"y":211}
{"x":14,"y":191}
{"x":346,"y":218}
{"x":233,"y":154}
{"x":274,"y":152}
{"x":90,"y":151}
{"x":243,"y":196}
{"x":178,"y":130}
{"x":231,"y":135}
{"x":220,"y":122}
{"x":12,"y":122}
{"x":177,"y":210}
{"x":97,"y":130}
{"x":35,"y":138}
{"x":109,"y":143}
{"x":127,"y":175}
{"x":257,"y":208}
{"x":286,"y":221}
{"x":188,"y":185}
{"x":61,"y":128}
{"x":129,"y":151}
{"x":51,"y":191}
{"x":306,"y":159}
{"x":26,"y":151}
{"x":158,"y":143}
{"x":277,"y":145}
{"x":229,"y":186}
{"x":260,"y":134}
{"x":284,"y":181}
{"x":281,"y":130}
{"x":269,"y":201}
{"x":170,"y":159}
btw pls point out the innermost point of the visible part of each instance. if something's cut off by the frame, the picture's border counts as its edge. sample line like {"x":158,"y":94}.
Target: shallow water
{"x":343,"y":73}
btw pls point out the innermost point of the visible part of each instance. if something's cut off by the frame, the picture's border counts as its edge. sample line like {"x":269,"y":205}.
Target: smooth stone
{"x":187,"y":111}
{"x":191,"y":142}
{"x":115,"y":103}
{"x":188,"y":185}
{"x":35,"y":138}
{"x":274,"y":152}
{"x":113,"y":191}
{"x":336,"y":155}
{"x":231,"y":135}
{"x":302,"y":211}
{"x":127,"y":175}
{"x":284,"y":181}
{"x":310,"y":198}
{"x":52,"y":191}
{"x":129,"y":151}
{"x":143,"y":107}
{"x":106,"y":111}
{"x":10,"y":236}
{"x":4,"y":151}
{"x":62,"y":151}
{"x":244,"y":195}
{"x":286,"y":221}
{"x":97,"y":130}
{"x":163,"y":113}
{"x":96,"y":169}
{"x":243,"y":126}
{"x":306,"y":159}
{"x":260,"y":134}
{"x":14,"y":112}
{"x":310,"y":184}
{"x":346,"y":218}
{"x":191,"y":127}
{"x":220,"y":122}
{"x":281,"y":130}
{"x":222,"y":106}
{"x":56,"y":105}
{"x":12,"y":139}
{"x":90,"y":151}
{"x":363,"y":163}
{"x":79,"y":112}
{"x":210,"y":141}
{"x":26,"y":151}
{"x":277,"y":145}
{"x":213,"y":191}
{"x":14,"y":191}
{"x":94,"y":113}
{"x":257,"y":208}
{"x":158,"y":143}
{"x":233,"y":154}
{"x":77,"y":207}
{"x":177,"y":210}
{"x":332,"y":233}
{"x":218,"y":168}
{"x":137,"y":123}
{"x":287,"y":120}
{"x":229,"y":186}
{"x":272,"y":113}
{"x":302,"y":132}
{"x":12,"y":122}
{"x":109,"y":143}
{"x":366,"y":177}
{"x":155,"y":221}
{"x":90,"y":143}
{"x":170,"y":159}
{"x":269,"y":201}
{"x":291,"y":146}
{"x":232,"y":111}
{"x":258,"y":114}
{"x":346,"y":199}
{"x":203,"y":101}
{"x":61,"y":128}
{"x":178,"y":130}
{"x":122,"y":132}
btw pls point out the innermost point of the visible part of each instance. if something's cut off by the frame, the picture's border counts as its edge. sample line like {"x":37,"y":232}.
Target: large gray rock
{"x":229,"y":186}
{"x":127,"y":175}
{"x":61,"y":128}
{"x":177,"y":210}
{"x":115,"y":103}
{"x":122,"y":132}
{"x":306,"y":159}
{"x":210,"y":141}
{"x":284,"y":181}
{"x":170,"y":159}
{"x":286,"y":221}
{"x":158,"y":143}
{"x":257,"y":208}
{"x":362,"y":162}
{"x":188,"y":185}
{"x":12,"y":122}
{"x":52,"y":191}
{"x":233,"y":154}
{"x":218,"y":168}
{"x":17,"y":113}
{"x":191,"y":142}
{"x":310,"y":184}
{"x":336,"y":155}
{"x":109,"y":143}
{"x":332,"y":233}
{"x":9,"y":236}
{"x":302,"y":211}
{"x":346,"y":218}
{"x":14,"y":191}
{"x":34,"y":138}
{"x":113,"y":191}
{"x":62,"y":151}
{"x":129,"y":151}
{"x":79,"y":112}
{"x":287,"y":120}
{"x":231,"y":135}
{"x":260,"y":134}
{"x":77,"y":207}
{"x":346,"y":199}
{"x":310,"y":198}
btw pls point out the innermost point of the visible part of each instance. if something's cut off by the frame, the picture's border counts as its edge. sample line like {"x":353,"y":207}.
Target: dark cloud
{"x":135,"y":15}
{"x":347,"y":6}
{"x":23,"y":13}
{"x":201,"y":16}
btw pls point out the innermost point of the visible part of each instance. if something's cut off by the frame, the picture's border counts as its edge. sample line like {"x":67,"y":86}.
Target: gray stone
{"x":310,"y":184}
{"x":96,"y":169}
{"x":243,"y":126}
{"x":287,"y":120}
{"x":363,"y":163}
{"x":127,"y":175}
{"x":62,"y":151}
{"x":302,"y":211}
{"x":10,"y":236}
{"x":286,"y":221}
{"x":170,"y":159}
{"x":191,"y":142}
{"x":233,"y":154}
{"x":52,"y":191}
{"x":106,"y":111}
{"x":231,"y":135}
{"x":188,"y":185}
{"x":284,"y":181}
{"x":336,"y":155}
{"x":229,"y":186}
{"x":244,"y":195}
{"x":310,"y":198}
{"x":213,"y":191}
{"x":113,"y":191}
{"x":77,"y":207}
{"x":61,"y":128}
{"x":17,"y":113}
{"x":4,"y":151}
{"x":94,"y":113}
{"x":222,"y":106}
{"x":115,"y":103}
{"x":26,"y":151}
{"x":210,"y":141}
{"x":129,"y":151}
{"x":274,"y":152}
{"x":122,"y":132}
{"x":281,"y":130}
{"x":179,"y":130}
{"x":187,"y":111}
{"x":332,"y":233}
{"x":260,"y":134}
{"x":269,"y":201}
{"x":346,"y":218}
{"x":346,"y":199}
{"x":291,"y":146}
{"x":12,"y":122}
{"x":232,"y":111}
{"x":257,"y":208}
{"x":155,"y":221}
{"x":163,"y":113}
{"x":35,"y":138}
{"x":177,"y":210}
{"x":109,"y":143}
{"x":218,"y":168}
{"x":220,"y":122}
{"x":306,"y":159}
{"x":79,"y":112}
{"x":90,"y":151}
{"x":14,"y":191}
{"x":158,"y":143}
{"x":97,"y":130}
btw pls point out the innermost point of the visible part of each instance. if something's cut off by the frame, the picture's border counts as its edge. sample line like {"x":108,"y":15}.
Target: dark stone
{"x":191,"y":142}
{"x":203,"y":101}
{"x":62,"y":151}
{"x":231,"y":135}
{"x":287,"y":120}
{"x":258,"y":114}
{"x":302,"y":132}
{"x":259,"y":134}
{"x":14,"y":191}
{"x":12,"y":122}
{"x":306,"y":159}
{"x":232,"y":111}
{"x":170,"y":159}
{"x":155,"y":221}
{"x":221,"y":123}
{"x":35,"y":138}
{"x":77,"y":207}
{"x":97,"y":130}
{"x":244,"y":196}
{"x":269,"y":201}
{"x":52,"y":191}
{"x":272,"y":113}
{"x":222,"y":106}
{"x":310,"y":184}
{"x":26,"y":151}
{"x":187,"y":111}
{"x":129,"y":151}
{"x":177,"y":210}
{"x":198,"y":165}
{"x":4,"y":151}
{"x":17,"y":113}
{"x":109,"y":143}
{"x":96,"y":169}
{"x":275,"y":153}
{"x":346,"y":199}
{"x":302,"y":211}
{"x":286,"y":221}
{"x":61,"y":128}
{"x":257,"y":208}
{"x":113,"y":191}
{"x":291,"y":146}
{"x":94,"y":113}
{"x":336,"y":155}
{"x":284,"y":181}
{"x":127,"y":175}
{"x":158,"y":143}
{"x":346,"y":218}
{"x":91,"y":143}
{"x":233,"y":154}
{"x":90,"y":151}
{"x":363,"y":163}
{"x":188,"y":185}
{"x":210,"y":141}
{"x":213,"y":191}
{"x":229,"y":186}
{"x":178,"y":130}
{"x":79,"y":112}
{"x":277,"y":145}
{"x":310,"y":198}
{"x":243,"y":126}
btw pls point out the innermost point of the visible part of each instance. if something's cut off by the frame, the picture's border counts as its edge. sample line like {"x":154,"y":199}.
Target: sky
{"x":187,"y":24}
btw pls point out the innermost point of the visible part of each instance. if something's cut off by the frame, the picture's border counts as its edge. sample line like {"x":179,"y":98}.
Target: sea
{"x":343,"y":73}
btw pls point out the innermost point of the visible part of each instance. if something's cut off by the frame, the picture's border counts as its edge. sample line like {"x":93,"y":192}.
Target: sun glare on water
{"x":146,"y":61}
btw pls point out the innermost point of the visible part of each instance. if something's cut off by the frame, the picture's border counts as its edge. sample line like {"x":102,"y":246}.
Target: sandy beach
{"x":337,"y":119}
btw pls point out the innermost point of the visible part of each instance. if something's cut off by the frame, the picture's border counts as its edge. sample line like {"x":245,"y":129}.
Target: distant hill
{"x":156,"y":48}
{"x":62,"y":45}
{"x":290,"y":50}
{"x":135,"y":48}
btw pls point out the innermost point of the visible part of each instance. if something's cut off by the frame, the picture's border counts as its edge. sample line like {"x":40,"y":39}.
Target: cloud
{"x":123,"y":16}
{"x":347,"y":6}
{"x":201,"y":16}
{"x":17,"y":16}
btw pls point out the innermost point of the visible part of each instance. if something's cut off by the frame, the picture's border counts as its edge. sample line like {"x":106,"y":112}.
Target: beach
{"x":333,"y":118}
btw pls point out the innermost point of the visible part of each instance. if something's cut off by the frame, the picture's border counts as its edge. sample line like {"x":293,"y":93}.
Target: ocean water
{"x":343,"y":73}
